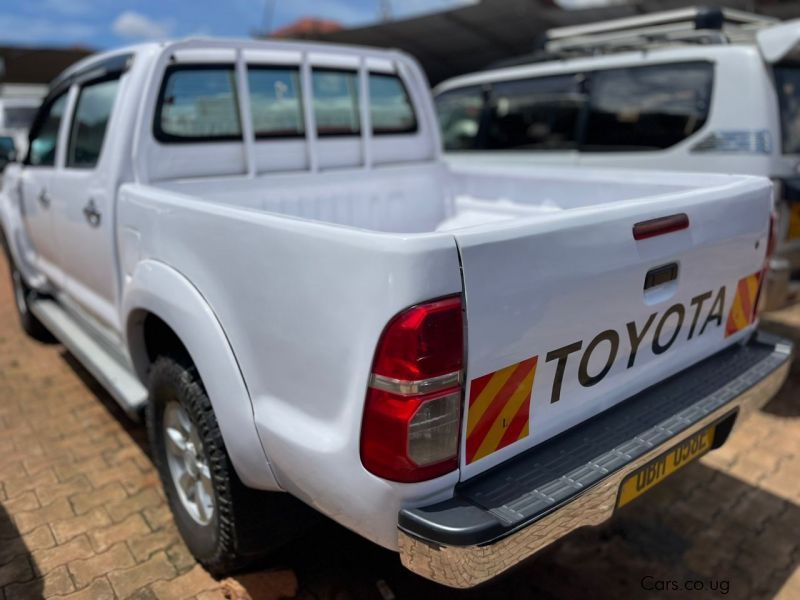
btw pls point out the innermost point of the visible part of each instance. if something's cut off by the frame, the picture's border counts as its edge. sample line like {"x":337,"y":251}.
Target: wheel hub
{"x":188,"y":464}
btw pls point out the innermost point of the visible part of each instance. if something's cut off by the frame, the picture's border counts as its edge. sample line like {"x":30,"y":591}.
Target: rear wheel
{"x":226,"y":525}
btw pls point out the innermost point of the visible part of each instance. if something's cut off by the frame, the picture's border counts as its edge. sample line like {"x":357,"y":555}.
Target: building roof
{"x":473,"y":37}
{"x":36,"y":65}
{"x":307,"y":26}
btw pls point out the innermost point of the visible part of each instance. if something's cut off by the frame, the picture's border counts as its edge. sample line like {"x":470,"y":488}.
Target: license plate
{"x":794,"y":221}
{"x":658,"y":469}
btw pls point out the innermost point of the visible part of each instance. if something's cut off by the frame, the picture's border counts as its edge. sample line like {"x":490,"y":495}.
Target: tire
{"x":242,"y":525}
{"x":22,"y":294}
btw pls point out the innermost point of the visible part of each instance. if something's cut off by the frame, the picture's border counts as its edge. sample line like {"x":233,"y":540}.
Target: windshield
{"x":787,"y":81}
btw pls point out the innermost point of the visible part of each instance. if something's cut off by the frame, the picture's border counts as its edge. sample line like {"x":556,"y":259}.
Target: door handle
{"x":92,"y":214}
{"x":44,"y":198}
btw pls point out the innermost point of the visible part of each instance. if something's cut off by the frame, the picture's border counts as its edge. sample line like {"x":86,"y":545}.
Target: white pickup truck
{"x":258,"y":244}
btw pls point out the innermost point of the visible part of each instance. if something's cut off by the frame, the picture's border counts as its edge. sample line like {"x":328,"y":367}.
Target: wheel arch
{"x":164,"y":313}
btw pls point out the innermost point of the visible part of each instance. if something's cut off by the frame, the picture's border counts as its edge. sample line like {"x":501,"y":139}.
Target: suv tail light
{"x":412,"y":415}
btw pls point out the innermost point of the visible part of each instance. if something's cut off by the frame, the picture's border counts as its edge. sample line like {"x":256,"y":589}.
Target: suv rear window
{"x":630,"y":109}
{"x":647,"y":108}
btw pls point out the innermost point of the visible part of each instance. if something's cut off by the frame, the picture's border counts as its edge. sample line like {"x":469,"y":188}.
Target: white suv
{"x":693,"y":90}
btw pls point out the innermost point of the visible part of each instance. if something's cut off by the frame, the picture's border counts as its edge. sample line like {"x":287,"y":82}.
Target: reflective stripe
{"x":409,"y":388}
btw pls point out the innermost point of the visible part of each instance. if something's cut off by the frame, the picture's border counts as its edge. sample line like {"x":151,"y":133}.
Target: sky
{"x":109,"y":23}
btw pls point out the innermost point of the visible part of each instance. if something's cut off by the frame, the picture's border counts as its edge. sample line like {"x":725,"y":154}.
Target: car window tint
{"x":44,"y":138}
{"x":335,"y":95}
{"x":90,"y":122}
{"x":459,"y":114}
{"x":535,"y":114}
{"x":647,"y":108}
{"x":390,"y":107}
{"x":787,"y":83}
{"x":198,"y":104}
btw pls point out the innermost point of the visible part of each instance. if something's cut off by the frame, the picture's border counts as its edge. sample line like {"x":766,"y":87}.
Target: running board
{"x":114,"y":376}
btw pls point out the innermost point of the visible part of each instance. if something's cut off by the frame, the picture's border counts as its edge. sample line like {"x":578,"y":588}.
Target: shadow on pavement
{"x":19,"y":576}
{"x":702,"y":529}
{"x":786,"y":403}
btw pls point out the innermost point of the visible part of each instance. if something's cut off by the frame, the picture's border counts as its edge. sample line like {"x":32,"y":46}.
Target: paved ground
{"x":82,"y":514}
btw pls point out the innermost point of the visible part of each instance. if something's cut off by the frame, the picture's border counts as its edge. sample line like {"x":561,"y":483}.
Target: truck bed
{"x":426,"y":198}
{"x":545,"y":258}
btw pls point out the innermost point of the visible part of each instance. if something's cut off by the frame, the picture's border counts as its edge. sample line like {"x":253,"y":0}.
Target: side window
{"x":459,"y":113}
{"x":89,"y":123}
{"x":198,"y":103}
{"x":275,"y":101}
{"x":535,"y":114}
{"x":390,"y":107}
{"x":44,"y":136}
{"x":647,"y":108}
{"x":335,"y":96}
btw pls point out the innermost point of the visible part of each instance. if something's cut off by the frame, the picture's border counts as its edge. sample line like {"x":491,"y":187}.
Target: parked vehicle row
{"x":709,"y":90}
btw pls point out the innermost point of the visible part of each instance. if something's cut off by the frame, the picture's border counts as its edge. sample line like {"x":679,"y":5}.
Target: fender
{"x":159,"y":289}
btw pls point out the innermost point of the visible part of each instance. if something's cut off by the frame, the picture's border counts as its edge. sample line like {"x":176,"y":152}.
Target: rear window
{"x":459,"y":112}
{"x":787,"y":80}
{"x":535,"y":114}
{"x":390,"y":107}
{"x":647,"y":108}
{"x":198,"y":103}
{"x":335,"y":96}
{"x":275,"y":101}
{"x":630,"y":109}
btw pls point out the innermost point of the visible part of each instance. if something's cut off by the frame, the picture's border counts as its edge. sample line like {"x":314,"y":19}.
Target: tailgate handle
{"x":661,"y":275}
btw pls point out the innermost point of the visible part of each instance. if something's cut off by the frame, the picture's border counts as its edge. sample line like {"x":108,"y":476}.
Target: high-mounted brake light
{"x":412,"y":414}
{"x":660,"y":226}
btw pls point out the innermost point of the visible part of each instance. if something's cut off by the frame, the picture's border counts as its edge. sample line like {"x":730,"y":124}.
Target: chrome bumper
{"x":463,"y":566}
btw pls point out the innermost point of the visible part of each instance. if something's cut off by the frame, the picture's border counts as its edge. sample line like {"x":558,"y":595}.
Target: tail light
{"x":412,"y":414}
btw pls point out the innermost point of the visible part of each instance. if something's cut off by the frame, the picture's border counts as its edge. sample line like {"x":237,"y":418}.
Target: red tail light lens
{"x":412,"y":414}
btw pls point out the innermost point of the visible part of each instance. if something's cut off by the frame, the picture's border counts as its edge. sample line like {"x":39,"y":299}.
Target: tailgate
{"x":567,"y":314}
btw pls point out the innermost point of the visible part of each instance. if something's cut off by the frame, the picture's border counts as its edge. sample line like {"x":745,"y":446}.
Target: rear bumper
{"x":500,"y":518}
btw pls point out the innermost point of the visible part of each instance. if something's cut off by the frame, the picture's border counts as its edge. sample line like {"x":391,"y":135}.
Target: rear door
{"x":568,"y":314}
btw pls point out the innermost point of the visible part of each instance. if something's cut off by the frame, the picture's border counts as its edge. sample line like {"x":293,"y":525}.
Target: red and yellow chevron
{"x":499,"y":408}
{"x":743,"y":311}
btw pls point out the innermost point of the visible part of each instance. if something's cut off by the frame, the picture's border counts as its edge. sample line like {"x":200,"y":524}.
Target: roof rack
{"x":695,"y":25}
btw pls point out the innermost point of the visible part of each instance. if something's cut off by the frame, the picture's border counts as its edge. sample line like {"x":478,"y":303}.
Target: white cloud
{"x":32,"y":30}
{"x":133,"y":25}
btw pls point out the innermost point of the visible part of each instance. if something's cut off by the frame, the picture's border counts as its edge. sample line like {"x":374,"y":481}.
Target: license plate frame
{"x":661,"y":467}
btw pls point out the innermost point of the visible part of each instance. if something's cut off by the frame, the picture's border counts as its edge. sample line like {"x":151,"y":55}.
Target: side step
{"x":108,"y":370}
